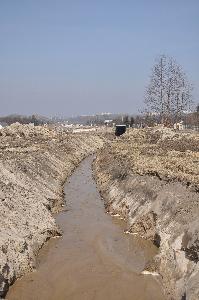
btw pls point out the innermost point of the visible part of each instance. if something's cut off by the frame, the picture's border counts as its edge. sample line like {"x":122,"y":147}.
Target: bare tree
{"x":132,"y":121}
{"x":169,"y":91}
{"x":126,"y":120}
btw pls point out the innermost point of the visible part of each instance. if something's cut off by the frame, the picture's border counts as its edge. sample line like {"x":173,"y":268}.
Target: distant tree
{"x":139,"y":121}
{"x":196,"y":115}
{"x":118,"y":120}
{"x":126,"y":120}
{"x":34,"y":120}
{"x":169,"y":91}
{"x":132,"y":121}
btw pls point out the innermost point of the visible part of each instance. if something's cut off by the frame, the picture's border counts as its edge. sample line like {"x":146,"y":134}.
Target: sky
{"x":74,"y":57}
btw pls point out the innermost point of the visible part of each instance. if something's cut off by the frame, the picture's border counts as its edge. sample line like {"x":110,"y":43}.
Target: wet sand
{"x":94,"y":259}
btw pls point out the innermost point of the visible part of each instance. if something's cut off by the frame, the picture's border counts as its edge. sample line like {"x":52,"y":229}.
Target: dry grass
{"x":161,"y":152}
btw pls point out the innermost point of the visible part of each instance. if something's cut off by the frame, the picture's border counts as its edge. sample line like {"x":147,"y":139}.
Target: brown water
{"x":94,"y":260}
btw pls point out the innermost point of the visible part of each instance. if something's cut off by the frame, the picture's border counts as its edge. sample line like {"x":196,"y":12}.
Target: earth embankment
{"x":151,"y":178}
{"x":34,"y":164}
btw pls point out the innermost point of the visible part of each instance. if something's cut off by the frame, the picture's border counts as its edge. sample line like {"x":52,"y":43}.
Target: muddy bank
{"x":151,"y":177}
{"x":34,"y":163}
{"x":93,"y":259}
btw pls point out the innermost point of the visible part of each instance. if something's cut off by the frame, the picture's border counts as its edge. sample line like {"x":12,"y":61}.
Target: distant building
{"x":179,"y":126}
{"x":108,"y":122}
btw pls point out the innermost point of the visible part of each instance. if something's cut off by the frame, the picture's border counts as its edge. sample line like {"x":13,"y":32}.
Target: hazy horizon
{"x":69,"y":58}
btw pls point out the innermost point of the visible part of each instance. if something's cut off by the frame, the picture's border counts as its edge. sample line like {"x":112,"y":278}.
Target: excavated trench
{"x":93,"y":259}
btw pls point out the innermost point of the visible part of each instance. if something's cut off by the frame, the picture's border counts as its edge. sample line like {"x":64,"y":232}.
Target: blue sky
{"x":81,"y":57}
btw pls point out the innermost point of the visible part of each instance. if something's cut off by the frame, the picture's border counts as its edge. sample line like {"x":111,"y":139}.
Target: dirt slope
{"x":151,"y":177}
{"x":34,"y":163}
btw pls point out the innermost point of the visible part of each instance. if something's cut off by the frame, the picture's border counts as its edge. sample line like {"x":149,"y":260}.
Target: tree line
{"x":10,"y":119}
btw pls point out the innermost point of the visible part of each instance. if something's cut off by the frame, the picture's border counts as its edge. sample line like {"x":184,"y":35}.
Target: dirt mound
{"x":34,"y":163}
{"x":151,"y":178}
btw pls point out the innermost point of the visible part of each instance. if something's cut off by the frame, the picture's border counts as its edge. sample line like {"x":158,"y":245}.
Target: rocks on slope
{"x":34,"y":163}
{"x":151,"y":177}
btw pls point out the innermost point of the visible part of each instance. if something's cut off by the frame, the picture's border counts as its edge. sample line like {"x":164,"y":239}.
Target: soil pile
{"x":34,"y":163}
{"x":151,"y":178}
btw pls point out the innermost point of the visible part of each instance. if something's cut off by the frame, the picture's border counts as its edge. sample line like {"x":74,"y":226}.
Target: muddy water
{"x":94,"y":260}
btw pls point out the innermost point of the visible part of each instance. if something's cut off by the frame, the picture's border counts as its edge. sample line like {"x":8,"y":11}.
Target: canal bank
{"x":150,"y":177}
{"x":34,"y":164}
